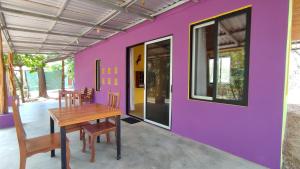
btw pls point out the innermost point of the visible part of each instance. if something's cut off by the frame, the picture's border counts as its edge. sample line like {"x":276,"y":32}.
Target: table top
{"x":87,"y":112}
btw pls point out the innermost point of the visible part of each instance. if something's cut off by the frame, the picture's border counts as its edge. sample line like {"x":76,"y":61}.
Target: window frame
{"x":193,"y":62}
{"x":216,"y":20}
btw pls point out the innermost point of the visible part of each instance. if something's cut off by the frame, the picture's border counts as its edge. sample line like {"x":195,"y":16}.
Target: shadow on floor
{"x":144,"y":146}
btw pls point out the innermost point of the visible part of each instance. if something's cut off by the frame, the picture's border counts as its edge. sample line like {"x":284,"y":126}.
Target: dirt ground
{"x":291,"y":151}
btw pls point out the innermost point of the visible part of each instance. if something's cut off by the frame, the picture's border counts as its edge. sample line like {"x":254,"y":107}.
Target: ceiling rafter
{"x":24,"y":33}
{"x":49,"y":33}
{"x":123,"y":9}
{"x":5,"y":32}
{"x":41,"y":49}
{"x":61,"y":53}
{"x":48,"y":43}
{"x":53,"y":18}
{"x":60,"y":11}
{"x":61,"y":57}
{"x":107,"y":18}
{"x":229,"y":35}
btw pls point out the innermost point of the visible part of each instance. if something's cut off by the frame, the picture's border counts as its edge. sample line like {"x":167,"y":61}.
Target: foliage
{"x":55,"y":67}
{"x":237,"y":70}
{"x":34,"y":61}
{"x":70,"y":68}
{"x":18,"y":59}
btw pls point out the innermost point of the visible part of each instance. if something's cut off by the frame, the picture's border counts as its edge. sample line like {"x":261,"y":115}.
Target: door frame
{"x":128,"y":79}
{"x":171,"y":80}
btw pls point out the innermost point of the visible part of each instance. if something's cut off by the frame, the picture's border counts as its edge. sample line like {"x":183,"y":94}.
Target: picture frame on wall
{"x":98,"y":75}
{"x":139,"y":76}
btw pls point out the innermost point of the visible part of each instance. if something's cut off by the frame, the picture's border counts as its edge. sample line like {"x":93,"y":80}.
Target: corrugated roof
{"x":68,"y":26}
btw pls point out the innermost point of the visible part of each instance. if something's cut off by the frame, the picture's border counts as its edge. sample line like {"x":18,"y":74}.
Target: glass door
{"x":158,"y":82}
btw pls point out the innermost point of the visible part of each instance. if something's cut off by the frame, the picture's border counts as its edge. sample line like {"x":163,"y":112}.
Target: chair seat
{"x":99,"y":128}
{"x":43,"y":143}
{"x":76,"y":127}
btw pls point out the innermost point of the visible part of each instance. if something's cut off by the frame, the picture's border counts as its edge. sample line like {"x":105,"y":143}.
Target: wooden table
{"x":88,"y":112}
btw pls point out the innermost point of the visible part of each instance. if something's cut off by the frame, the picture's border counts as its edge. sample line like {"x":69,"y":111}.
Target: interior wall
{"x":138,"y":66}
{"x":252,"y":132}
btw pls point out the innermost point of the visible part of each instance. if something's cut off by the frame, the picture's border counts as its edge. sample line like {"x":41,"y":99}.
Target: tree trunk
{"x":62,"y":75}
{"x":42,"y":82}
{"x":27,"y":86}
{"x":22,"y":84}
{"x":3,"y":87}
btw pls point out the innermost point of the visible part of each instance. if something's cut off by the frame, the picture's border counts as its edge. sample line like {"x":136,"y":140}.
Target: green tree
{"x":36,"y":63}
{"x":19,"y":61}
{"x":70,"y":68}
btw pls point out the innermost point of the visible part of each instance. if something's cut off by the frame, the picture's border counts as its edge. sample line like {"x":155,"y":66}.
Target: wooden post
{"x":12,"y":87}
{"x":62,"y":75}
{"x":3,"y":87}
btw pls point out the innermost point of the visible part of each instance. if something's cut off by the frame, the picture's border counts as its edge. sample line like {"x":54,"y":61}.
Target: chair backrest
{"x":77,"y":98}
{"x":21,"y":134}
{"x":114,"y":99}
{"x":90,"y":93}
{"x":72,"y":98}
{"x":83,"y":91}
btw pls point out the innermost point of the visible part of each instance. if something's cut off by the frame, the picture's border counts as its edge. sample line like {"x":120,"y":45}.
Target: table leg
{"x":51,"y":132}
{"x":98,"y":137}
{"x":63,"y":148}
{"x":118,"y":123}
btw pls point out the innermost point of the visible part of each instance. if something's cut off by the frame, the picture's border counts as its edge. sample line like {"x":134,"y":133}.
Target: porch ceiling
{"x":65,"y":27}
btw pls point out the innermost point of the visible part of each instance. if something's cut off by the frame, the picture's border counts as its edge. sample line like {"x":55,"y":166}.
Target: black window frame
{"x":244,"y":101}
{"x":98,"y":75}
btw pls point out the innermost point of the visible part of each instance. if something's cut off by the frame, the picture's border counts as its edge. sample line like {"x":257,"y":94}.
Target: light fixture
{"x":98,"y":30}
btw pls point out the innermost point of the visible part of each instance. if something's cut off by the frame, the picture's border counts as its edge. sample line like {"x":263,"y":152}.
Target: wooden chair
{"x":94,"y":130}
{"x":89,"y":97}
{"x":67,"y":96}
{"x":32,"y":146}
{"x":72,"y":98}
{"x":83,"y":92}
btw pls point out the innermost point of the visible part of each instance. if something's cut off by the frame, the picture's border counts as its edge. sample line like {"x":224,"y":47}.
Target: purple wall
{"x":252,"y":132}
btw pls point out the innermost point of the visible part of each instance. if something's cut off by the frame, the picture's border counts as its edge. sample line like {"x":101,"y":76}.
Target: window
{"x":220,"y":58}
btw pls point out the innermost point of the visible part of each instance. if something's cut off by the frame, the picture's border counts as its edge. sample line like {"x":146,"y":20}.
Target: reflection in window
{"x":224,"y":70}
{"x":219,"y":58}
{"x":211,"y":70}
{"x":203,"y":45}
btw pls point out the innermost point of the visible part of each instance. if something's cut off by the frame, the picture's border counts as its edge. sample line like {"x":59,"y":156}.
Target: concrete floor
{"x":143,"y":147}
{"x":139,"y":111}
{"x":291,"y":151}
